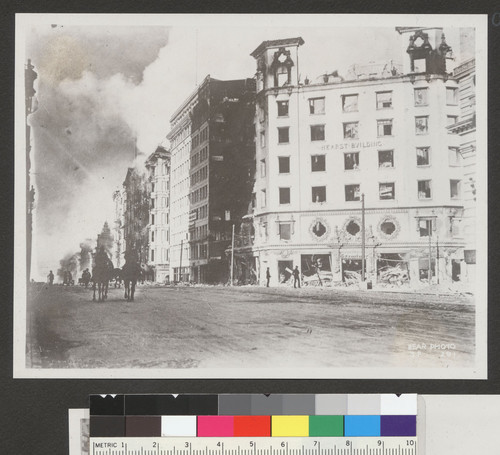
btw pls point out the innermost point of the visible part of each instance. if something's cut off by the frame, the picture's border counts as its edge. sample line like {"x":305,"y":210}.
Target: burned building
{"x":30,"y":76}
{"x":212,"y":167}
{"x":382,"y":131}
{"x":118,"y":228}
{"x":136,"y":214}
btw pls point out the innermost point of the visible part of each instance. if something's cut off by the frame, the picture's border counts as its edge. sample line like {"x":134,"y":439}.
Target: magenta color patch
{"x":215,"y":426}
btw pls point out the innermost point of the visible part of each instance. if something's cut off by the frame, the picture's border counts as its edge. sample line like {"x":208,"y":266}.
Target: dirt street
{"x":247,"y":327}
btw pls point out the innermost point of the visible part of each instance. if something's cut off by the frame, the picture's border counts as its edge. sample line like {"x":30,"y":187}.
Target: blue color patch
{"x":361,"y":425}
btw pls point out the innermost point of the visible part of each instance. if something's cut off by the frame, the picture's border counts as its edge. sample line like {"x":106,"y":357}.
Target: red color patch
{"x":252,"y":426}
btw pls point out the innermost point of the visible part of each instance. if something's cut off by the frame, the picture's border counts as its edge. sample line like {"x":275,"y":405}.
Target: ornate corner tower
{"x":277,"y":63}
{"x":427,"y":50}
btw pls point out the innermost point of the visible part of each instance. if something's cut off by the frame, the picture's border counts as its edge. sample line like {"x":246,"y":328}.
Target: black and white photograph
{"x":251,"y":196}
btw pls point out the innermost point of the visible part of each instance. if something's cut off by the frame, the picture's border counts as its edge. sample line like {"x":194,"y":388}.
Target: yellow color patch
{"x":290,"y":426}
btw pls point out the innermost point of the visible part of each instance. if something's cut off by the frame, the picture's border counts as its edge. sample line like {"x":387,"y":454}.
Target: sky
{"x":104,"y":90}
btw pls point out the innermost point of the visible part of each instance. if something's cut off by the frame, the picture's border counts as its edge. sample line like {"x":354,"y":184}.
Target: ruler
{"x":254,"y":446}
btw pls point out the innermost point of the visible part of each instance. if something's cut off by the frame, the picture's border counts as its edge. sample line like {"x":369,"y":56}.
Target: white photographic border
{"x":478,"y":371}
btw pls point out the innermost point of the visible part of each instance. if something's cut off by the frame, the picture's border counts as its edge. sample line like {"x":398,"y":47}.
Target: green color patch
{"x":326,"y":426}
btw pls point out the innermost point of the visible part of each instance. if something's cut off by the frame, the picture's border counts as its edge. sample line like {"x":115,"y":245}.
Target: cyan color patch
{"x":362,"y":425}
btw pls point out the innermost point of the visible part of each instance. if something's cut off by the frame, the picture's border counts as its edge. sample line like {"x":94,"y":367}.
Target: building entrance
{"x":455,"y":270}
{"x":285,"y":269}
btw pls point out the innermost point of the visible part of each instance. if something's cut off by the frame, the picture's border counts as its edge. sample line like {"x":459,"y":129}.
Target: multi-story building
{"x":29,"y":79}
{"x":158,"y":165}
{"x":118,"y":228}
{"x":136,"y":214}
{"x":212,"y":161}
{"x":383,"y":134}
{"x":465,"y":128}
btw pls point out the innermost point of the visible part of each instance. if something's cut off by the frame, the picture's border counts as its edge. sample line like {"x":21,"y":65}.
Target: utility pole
{"x":232,"y":256}
{"x":363,"y":237}
{"x":180,"y":262}
{"x":429,"y":275}
{"x":437,"y":258}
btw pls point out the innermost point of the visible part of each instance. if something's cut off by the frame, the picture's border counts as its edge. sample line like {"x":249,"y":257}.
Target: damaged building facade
{"x":135,"y":206}
{"x":382,"y":132}
{"x":212,"y":170}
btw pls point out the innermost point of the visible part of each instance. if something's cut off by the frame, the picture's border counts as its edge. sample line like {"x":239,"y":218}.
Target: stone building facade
{"x":158,"y":166}
{"x":384,"y":134}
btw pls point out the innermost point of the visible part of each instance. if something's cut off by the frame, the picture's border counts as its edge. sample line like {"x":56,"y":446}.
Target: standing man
{"x":296,"y":276}
{"x":268,"y":276}
{"x":50,"y":278}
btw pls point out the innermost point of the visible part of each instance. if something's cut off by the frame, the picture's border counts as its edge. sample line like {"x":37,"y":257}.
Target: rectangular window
{"x":350,"y":103}
{"x":421,"y":125}
{"x":451,"y":96}
{"x":283,"y":135}
{"x":284,"y":195}
{"x":455,"y":189}
{"x":152,"y":236}
{"x":386,"y":158}
{"x":384,"y":100}
{"x":318,"y":163}
{"x":282,"y":77}
{"x":263,"y":198}
{"x":352,"y":193}
{"x":424,"y":189}
{"x":262,"y":139}
{"x":284,"y":164}
{"x":351,"y":130}
{"x":282,"y":108}
{"x":152,"y":255}
{"x":386,"y":191}
{"x":384,"y":127}
{"x":425,"y":227}
{"x":423,"y":156}
{"x":152,"y":219}
{"x":351,"y":161}
{"x":254,"y":200}
{"x":317,"y":105}
{"x":317,"y":132}
{"x":319,"y":193}
{"x":451,"y":120}
{"x":421,"y":96}
{"x":262,"y":168}
{"x":454,"y":156}
{"x":285,"y":231}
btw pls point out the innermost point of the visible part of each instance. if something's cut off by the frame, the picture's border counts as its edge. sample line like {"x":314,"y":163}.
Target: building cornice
{"x":465,"y":69}
{"x":298,"y":41}
{"x":352,"y":211}
{"x":463,"y":126}
{"x":354,"y":83}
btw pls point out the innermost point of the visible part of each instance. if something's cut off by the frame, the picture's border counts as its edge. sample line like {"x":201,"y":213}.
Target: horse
{"x":101,"y":274}
{"x":130,"y":273}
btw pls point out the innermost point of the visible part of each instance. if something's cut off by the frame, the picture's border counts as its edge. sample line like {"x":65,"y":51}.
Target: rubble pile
{"x":394,"y":275}
{"x":352,"y":277}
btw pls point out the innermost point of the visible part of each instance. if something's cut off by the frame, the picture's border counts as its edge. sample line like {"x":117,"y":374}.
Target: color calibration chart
{"x":336,"y":424}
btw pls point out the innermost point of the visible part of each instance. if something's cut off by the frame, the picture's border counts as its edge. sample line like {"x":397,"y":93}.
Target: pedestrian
{"x":50,"y":278}
{"x":296,"y":276}
{"x":268,"y":276}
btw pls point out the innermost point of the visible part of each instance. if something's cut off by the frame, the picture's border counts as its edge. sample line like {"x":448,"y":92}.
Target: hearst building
{"x":379,"y":131}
